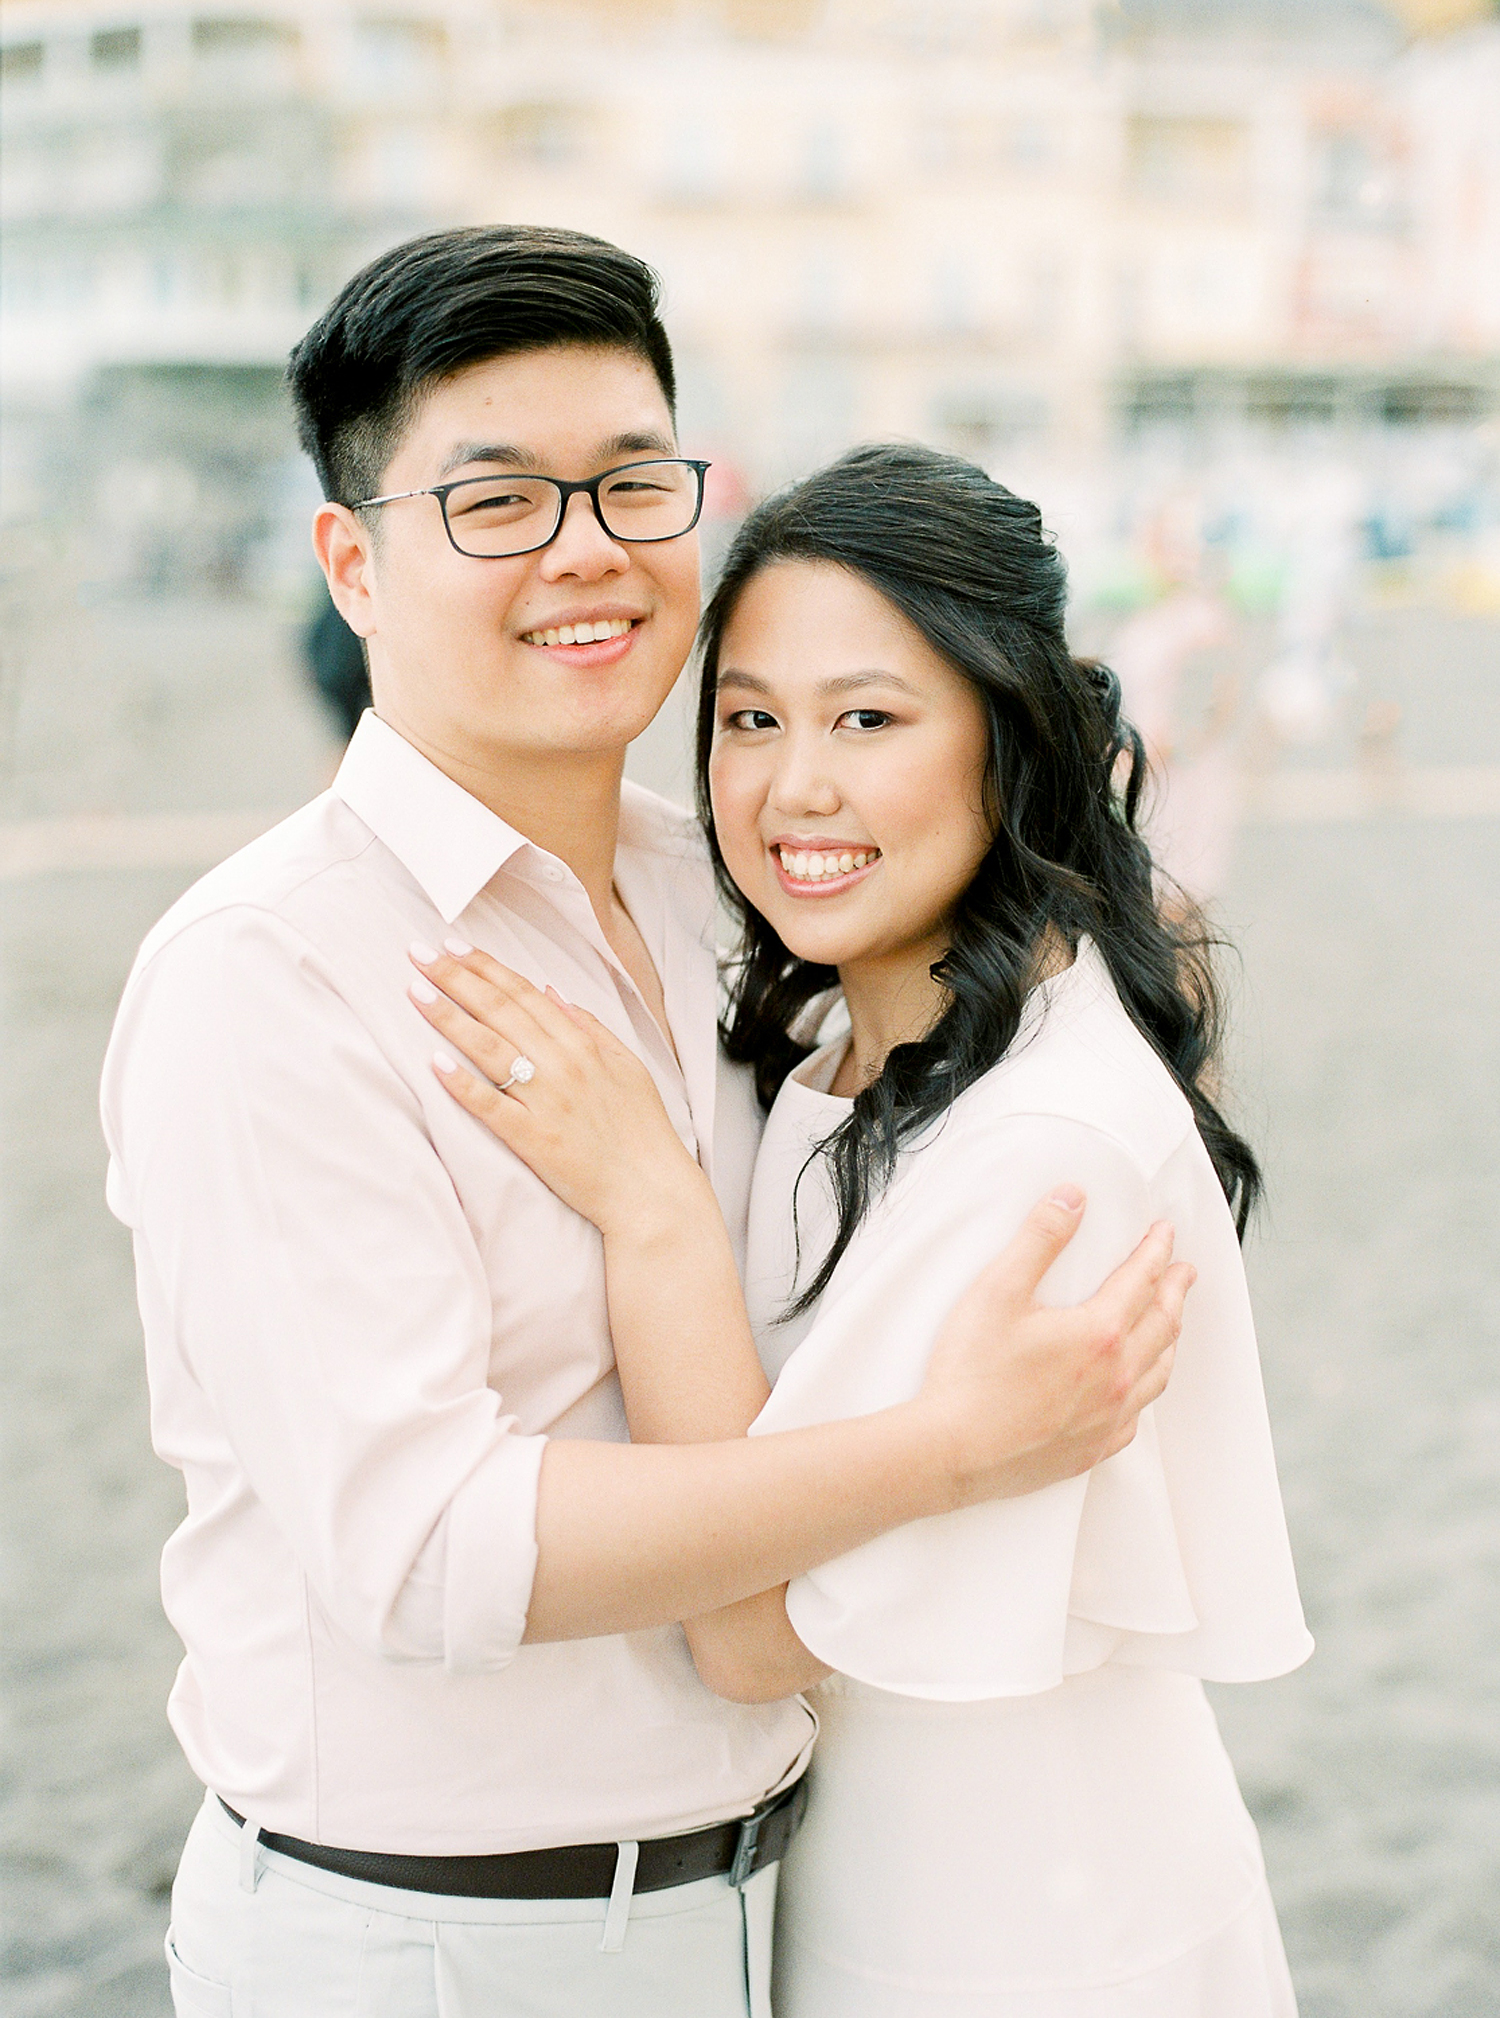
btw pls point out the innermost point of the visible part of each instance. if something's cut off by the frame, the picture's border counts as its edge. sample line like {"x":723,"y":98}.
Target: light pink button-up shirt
{"x":364,"y":1316}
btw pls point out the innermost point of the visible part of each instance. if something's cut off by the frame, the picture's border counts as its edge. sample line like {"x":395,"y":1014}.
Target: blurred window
{"x":823,"y":176}
{"x":1156,"y":398}
{"x":1180,"y":159}
{"x":21,"y":62}
{"x":28,"y":184}
{"x":819,"y":404}
{"x":954,"y":308}
{"x":1354,"y":179}
{"x":237,"y":37}
{"x":1285,"y":399}
{"x":1031,"y":142}
{"x":979,"y":421}
{"x":950,"y":140}
{"x":953,"y":141}
{"x":544,"y":136}
{"x":820,"y":300}
{"x":113,"y":171}
{"x":395,"y":49}
{"x":399,"y":164}
{"x":1408,"y":405}
{"x":115,"y":49}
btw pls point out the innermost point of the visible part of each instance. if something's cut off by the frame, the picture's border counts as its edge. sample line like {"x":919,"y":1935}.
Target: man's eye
{"x":750,"y":718}
{"x":865,"y":718}
{"x":490,"y":501}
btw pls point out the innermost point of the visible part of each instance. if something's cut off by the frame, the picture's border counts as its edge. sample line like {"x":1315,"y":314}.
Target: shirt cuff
{"x":491,"y":1556}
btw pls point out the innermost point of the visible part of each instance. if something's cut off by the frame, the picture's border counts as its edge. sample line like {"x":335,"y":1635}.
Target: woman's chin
{"x":819,"y":948}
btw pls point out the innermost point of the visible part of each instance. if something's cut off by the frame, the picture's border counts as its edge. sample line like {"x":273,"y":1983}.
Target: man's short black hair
{"x":428,"y":308}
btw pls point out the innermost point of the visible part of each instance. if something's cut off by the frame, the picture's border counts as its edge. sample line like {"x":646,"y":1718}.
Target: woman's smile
{"x":820,"y":867}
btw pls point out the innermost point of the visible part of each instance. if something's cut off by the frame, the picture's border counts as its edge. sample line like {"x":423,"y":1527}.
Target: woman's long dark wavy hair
{"x":968,"y":563}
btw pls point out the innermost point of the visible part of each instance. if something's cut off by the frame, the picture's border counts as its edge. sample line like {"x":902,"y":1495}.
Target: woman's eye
{"x":865,"y":718}
{"x":749,"y":719}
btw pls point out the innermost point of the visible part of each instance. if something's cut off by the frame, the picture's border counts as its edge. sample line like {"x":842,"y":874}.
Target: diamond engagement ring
{"x":521,"y":1071}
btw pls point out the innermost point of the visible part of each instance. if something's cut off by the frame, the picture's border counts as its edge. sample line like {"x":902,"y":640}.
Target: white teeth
{"x":812,"y":866}
{"x":580,"y":634}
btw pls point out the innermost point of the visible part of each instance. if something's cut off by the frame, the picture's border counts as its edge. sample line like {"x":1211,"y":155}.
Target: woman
{"x":925,"y":811}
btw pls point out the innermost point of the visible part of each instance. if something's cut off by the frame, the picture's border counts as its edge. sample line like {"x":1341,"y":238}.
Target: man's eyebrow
{"x":641,"y":442}
{"x":509,"y":456}
{"x":504,"y":452}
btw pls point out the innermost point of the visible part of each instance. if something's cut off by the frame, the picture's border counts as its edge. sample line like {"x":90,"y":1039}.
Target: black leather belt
{"x":576,"y":1870}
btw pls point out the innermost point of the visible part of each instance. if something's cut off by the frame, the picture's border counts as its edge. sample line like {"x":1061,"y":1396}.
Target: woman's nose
{"x":802,"y":784}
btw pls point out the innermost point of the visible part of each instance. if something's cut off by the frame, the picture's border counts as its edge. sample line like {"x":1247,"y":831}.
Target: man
{"x":457,"y":1755}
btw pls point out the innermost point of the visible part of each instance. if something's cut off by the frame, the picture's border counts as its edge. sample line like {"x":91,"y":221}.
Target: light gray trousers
{"x":258,"y":1935}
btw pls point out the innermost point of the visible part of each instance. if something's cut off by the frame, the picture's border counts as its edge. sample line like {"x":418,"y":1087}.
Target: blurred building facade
{"x":981,"y":222}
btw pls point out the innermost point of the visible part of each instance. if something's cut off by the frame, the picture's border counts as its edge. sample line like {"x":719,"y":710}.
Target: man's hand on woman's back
{"x":1026,"y":1394}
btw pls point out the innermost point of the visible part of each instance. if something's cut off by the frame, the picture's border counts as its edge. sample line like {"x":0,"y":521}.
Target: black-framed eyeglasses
{"x":492,"y":518}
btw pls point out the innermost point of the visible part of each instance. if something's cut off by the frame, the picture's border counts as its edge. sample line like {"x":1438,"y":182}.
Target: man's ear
{"x":345,"y":553}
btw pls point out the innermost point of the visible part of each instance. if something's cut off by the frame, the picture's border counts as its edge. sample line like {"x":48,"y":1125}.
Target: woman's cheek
{"x":735,"y":806}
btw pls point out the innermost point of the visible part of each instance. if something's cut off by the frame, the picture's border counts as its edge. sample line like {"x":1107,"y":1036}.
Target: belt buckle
{"x":785,"y":1810}
{"x":743,"y":1867}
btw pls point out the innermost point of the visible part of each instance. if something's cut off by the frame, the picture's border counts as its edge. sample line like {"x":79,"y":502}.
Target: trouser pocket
{"x":194,"y":1996}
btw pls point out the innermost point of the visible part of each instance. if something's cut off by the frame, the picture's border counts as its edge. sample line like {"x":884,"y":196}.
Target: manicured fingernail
{"x":1163,"y":1229}
{"x":424,"y":991}
{"x":444,"y":1062}
{"x":1068,"y":1196}
{"x":459,"y":948}
{"x":423,"y":955}
{"x":553,"y":995}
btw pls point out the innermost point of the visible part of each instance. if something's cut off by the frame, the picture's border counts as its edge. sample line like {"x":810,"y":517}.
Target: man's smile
{"x":580,"y":633}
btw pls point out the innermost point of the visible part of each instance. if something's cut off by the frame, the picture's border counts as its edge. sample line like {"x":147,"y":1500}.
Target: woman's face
{"x":847,"y":770}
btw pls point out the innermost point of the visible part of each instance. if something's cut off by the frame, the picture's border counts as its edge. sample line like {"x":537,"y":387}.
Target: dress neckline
{"x":812,"y":1080}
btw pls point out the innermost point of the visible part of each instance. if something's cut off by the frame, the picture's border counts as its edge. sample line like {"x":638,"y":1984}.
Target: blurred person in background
{"x":1020,"y":1804}
{"x":1192,"y":805}
{"x":458,"y":1758}
{"x":335,"y":661}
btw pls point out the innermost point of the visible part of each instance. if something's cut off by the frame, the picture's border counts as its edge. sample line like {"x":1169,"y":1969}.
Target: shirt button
{"x":556,"y":875}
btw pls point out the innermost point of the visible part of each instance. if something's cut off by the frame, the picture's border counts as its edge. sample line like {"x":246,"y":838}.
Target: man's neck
{"x":567,"y":804}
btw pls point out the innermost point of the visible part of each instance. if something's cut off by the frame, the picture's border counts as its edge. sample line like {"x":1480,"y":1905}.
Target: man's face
{"x":458,"y":662}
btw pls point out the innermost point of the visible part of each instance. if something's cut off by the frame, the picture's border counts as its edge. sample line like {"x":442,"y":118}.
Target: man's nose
{"x":582,"y":546}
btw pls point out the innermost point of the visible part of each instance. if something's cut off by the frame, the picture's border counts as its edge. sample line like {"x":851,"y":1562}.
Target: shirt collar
{"x":451,"y":843}
{"x":439,"y":832}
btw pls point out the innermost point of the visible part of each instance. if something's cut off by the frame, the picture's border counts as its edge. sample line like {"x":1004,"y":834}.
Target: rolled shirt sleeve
{"x":325,"y":1291}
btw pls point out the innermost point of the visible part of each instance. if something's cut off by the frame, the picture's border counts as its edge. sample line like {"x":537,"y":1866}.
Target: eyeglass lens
{"x":497,"y":515}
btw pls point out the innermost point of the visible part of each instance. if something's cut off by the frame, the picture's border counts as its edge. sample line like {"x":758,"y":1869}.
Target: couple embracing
{"x":660,"y":1466}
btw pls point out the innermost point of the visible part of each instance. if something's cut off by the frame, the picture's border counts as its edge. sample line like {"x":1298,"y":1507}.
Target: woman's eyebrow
{"x":840,"y":683}
{"x":849,"y":683}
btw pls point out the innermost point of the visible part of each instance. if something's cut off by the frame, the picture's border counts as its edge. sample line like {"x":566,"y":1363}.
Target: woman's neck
{"x":890,"y":1002}
{"x":896,"y":1001}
